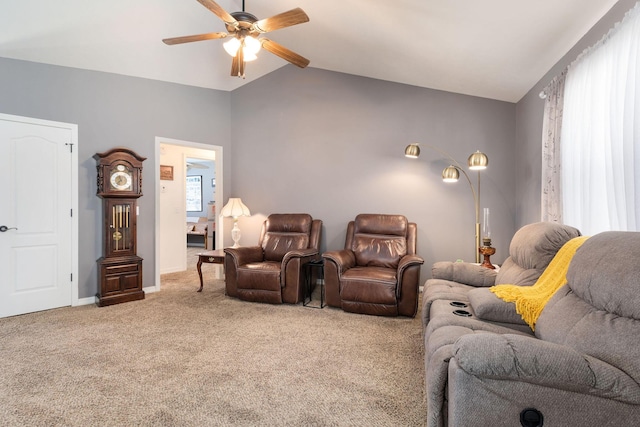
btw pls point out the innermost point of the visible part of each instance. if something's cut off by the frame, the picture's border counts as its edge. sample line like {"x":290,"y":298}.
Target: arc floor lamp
{"x":477,"y":161}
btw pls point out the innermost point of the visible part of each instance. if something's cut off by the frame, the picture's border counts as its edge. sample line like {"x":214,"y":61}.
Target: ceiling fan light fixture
{"x":251,"y":45}
{"x":232,"y":46}
{"x":243,"y":30}
{"x":248,"y":56}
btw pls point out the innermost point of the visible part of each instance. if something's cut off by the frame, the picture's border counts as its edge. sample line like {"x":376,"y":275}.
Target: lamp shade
{"x":412,"y":151}
{"x":450,"y":174}
{"x":232,"y":46}
{"x":235,"y":208}
{"x":478,"y":161}
{"x":252,"y":45}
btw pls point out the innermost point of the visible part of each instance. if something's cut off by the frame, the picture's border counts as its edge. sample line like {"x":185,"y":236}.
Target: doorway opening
{"x":171,"y":209}
{"x":200,"y":200}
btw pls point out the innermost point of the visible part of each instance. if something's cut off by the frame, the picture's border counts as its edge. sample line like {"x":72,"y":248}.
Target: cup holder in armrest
{"x":458,"y":304}
{"x":463,"y":313}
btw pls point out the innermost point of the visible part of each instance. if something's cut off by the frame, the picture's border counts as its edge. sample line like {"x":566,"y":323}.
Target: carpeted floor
{"x":182,"y":358}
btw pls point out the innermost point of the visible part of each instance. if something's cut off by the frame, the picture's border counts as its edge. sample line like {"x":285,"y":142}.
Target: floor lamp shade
{"x":477,"y":161}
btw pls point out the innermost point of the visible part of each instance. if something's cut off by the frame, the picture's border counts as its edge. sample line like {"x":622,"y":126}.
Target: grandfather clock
{"x":119,"y":186}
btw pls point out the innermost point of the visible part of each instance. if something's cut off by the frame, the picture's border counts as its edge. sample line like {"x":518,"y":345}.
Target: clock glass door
{"x":120,"y":238}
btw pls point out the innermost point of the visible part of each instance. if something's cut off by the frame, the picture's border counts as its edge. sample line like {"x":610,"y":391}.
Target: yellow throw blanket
{"x":530,"y":300}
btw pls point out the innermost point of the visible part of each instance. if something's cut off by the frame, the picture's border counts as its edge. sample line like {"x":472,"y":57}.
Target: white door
{"x":36,"y":233}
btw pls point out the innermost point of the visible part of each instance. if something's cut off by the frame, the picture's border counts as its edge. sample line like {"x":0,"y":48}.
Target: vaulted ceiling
{"x":495,"y":49}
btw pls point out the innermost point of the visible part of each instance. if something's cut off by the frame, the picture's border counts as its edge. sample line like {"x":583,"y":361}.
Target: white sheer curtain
{"x":601,"y":133}
{"x":551,"y":201}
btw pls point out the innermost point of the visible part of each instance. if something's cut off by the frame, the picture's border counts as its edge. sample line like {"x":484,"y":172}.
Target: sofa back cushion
{"x":283,"y":233}
{"x":607,"y":273}
{"x":379,"y":240}
{"x":532,"y":248}
{"x":598,"y":311}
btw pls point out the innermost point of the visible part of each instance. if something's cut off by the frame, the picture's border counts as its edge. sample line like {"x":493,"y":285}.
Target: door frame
{"x":219,"y":230}
{"x":75,"y":213}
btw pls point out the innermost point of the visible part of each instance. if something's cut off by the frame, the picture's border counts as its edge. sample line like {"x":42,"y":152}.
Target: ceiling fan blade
{"x":284,"y":53}
{"x":235,"y":66}
{"x":241,"y":63}
{"x":195,"y":38}
{"x":196,"y":166}
{"x":219,"y":12}
{"x":282,"y":20}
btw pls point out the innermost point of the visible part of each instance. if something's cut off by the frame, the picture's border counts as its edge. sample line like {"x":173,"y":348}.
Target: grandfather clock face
{"x":121,"y":178}
{"x":119,"y":173}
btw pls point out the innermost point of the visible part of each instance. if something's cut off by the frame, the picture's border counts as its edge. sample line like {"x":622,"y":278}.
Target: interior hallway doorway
{"x":171,"y":200}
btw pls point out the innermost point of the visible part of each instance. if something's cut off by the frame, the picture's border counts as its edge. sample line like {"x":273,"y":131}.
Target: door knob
{"x":4,"y":228}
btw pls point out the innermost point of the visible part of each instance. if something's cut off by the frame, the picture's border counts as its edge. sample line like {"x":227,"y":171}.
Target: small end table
{"x":317,"y":265}
{"x":210,"y":257}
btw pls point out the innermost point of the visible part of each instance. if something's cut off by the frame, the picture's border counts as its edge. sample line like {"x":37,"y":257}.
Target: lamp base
{"x":487,"y":250}
{"x":235,"y":235}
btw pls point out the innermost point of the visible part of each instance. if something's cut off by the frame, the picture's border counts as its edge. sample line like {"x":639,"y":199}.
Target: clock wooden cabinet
{"x":119,"y":186}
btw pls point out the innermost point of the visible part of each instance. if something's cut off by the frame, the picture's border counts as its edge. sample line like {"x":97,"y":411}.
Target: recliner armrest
{"x":407,"y":261}
{"x":299,"y":253}
{"x":344,"y":259}
{"x":245,"y":254}
{"x":464,"y":272}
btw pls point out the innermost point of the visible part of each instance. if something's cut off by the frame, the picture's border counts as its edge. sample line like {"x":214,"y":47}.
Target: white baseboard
{"x":85,"y":301}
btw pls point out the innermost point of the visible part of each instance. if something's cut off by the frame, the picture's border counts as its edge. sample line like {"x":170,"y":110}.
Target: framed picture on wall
{"x":166,"y":172}
{"x":194,"y":193}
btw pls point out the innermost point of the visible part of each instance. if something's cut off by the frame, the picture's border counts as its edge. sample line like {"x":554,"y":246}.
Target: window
{"x":194,"y":193}
{"x":600,"y":146}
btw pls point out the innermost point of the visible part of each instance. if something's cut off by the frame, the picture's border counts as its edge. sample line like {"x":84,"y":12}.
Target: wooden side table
{"x":210,"y":257}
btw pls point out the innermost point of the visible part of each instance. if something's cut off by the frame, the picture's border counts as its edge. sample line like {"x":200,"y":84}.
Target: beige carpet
{"x":182,"y":358}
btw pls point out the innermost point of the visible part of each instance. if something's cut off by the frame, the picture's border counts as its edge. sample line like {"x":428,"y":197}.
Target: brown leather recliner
{"x":378,"y":272}
{"x":272,"y":271}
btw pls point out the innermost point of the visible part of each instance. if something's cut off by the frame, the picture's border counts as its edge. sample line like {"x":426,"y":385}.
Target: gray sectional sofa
{"x":580,"y":367}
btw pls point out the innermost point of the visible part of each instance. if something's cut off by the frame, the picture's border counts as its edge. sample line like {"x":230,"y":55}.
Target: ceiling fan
{"x":194,"y":165}
{"x":243,"y":29}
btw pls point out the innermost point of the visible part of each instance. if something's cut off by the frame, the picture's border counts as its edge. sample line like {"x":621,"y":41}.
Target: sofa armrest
{"x":520,"y":358}
{"x":531,"y":360}
{"x":244,"y":255}
{"x":464,"y":272}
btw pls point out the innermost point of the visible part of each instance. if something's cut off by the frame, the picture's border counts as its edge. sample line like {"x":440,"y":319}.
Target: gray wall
{"x":332,"y":145}
{"x":113,"y":110}
{"x":529,"y":114}
{"x":306,"y":141}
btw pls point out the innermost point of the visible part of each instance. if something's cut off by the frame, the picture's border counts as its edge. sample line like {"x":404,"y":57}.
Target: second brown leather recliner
{"x":378,"y":272}
{"x":272,"y":272}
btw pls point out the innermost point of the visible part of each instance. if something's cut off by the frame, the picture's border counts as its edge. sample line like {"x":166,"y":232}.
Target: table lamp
{"x":235,"y":209}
